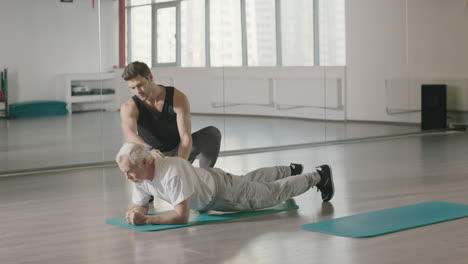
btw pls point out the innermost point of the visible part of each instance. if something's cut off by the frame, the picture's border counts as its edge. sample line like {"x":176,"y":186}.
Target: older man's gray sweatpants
{"x":262,"y":188}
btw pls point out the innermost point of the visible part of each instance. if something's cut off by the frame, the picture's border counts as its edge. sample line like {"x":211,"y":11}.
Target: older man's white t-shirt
{"x":176,"y":180}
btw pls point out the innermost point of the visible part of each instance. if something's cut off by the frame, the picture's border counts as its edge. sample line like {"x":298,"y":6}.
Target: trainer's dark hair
{"x":136,"y":68}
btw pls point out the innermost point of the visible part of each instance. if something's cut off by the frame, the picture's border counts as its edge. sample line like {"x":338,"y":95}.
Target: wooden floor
{"x":60,"y":217}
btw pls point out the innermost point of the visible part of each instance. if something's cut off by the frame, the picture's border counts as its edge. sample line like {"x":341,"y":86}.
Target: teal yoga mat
{"x":200,"y":219}
{"x":390,"y":220}
{"x":38,"y":108}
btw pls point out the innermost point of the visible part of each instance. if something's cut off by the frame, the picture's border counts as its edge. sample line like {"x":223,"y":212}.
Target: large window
{"x":198,"y":33}
{"x":193,"y":33}
{"x":297,"y":29}
{"x":166,"y":35}
{"x":139,"y":34}
{"x":332,"y":32}
{"x":225,"y":33}
{"x":261,"y":32}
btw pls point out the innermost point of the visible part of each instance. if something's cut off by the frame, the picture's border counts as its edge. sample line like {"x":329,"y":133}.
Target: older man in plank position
{"x":186,"y":187}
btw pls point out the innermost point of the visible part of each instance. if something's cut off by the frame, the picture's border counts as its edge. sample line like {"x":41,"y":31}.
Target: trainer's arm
{"x":182,"y":109}
{"x":129,"y":118}
{"x":180,"y":216}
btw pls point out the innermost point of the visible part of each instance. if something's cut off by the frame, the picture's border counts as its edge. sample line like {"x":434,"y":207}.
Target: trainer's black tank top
{"x":160,"y":131}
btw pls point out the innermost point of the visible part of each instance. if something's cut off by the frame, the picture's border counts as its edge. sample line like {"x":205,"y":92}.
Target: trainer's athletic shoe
{"x":296,"y":168}
{"x":325,"y":186}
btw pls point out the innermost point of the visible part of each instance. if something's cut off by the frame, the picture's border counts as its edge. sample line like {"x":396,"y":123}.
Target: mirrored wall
{"x":269,"y":74}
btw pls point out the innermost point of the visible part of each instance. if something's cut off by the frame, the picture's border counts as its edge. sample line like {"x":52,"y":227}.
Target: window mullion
{"x":154,"y":36}
{"x":129,"y":34}
{"x":207,"y":34}
{"x":316,"y":33}
{"x":178,"y":37}
{"x":279,"y":53}
{"x":244,"y":33}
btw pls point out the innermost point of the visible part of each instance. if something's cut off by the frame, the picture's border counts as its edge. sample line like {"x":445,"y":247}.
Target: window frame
{"x":243,"y":21}
{"x":154,"y":33}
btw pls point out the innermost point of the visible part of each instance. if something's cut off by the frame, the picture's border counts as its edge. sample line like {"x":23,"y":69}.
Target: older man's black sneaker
{"x":296,"y":168}
{"x":325,"y":186}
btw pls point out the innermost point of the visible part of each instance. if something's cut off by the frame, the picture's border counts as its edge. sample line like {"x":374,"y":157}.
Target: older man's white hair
{"x":135,"y":152}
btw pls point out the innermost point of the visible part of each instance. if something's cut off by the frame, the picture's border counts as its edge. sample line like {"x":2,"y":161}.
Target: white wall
{"x":377,"y":41}
{"x":41,"y":39}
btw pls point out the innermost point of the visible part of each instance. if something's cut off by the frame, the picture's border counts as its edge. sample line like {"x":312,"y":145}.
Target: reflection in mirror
{"x":436,"y":79}
{"x":177,"y":29}
{"x":374,"y":54}
{"x":56,"y":75}
{"x":276,"y":97}
{"x":267,"y":73}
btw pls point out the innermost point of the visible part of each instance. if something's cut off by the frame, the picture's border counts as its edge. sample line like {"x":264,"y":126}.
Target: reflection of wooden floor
{"x":59,"y":217}
{"x":96,"y":136}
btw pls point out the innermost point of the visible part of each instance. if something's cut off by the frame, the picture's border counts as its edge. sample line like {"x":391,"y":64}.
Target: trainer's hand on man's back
{"x":156,"y":153}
